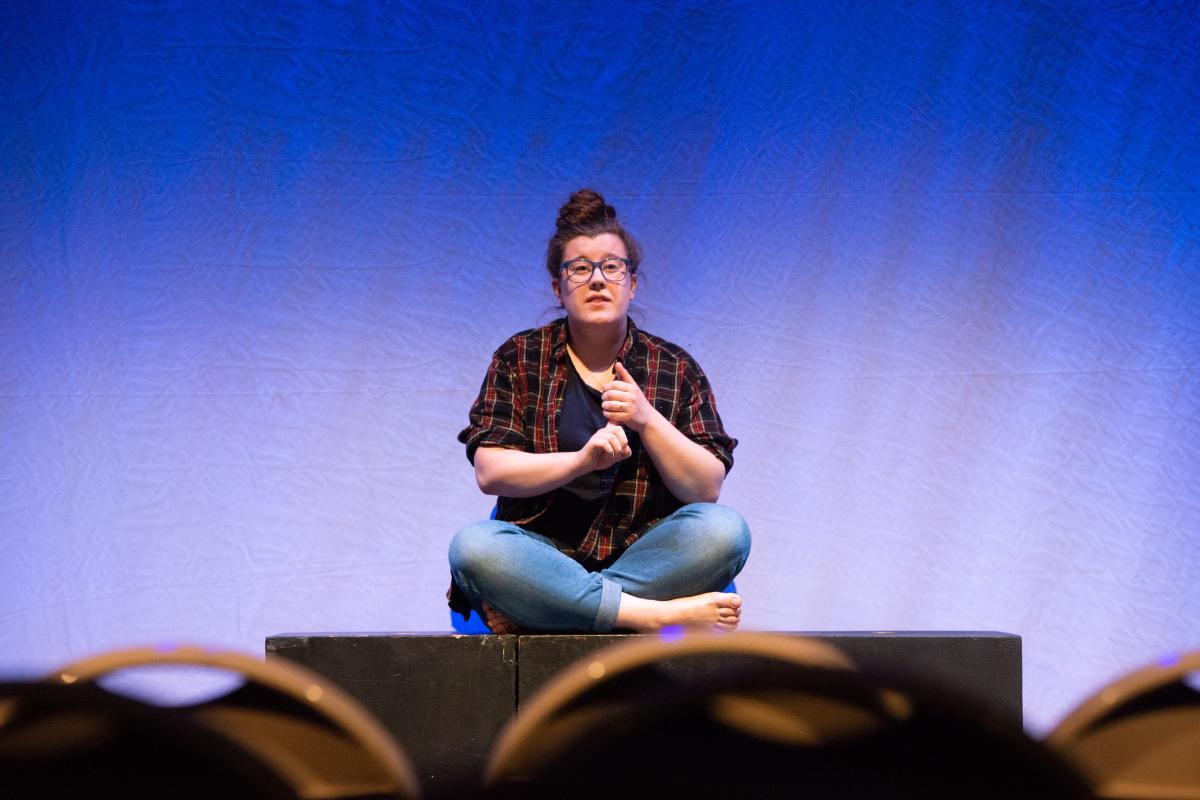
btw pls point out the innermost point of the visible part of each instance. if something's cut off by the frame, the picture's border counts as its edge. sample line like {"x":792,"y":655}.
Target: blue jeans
{"x":699,"y":548}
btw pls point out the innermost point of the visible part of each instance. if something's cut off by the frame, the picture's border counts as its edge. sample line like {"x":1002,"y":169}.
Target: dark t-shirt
{"x":575,"y":505}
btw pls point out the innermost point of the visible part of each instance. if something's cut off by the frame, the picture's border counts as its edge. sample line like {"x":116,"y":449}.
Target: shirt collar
{"x":630,"y":329}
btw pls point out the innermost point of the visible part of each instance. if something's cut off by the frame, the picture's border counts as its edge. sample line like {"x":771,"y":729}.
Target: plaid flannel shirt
{"x":518,"y":407}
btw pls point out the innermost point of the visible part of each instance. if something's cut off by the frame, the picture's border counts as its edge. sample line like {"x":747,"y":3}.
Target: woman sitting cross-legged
{"x":604,"y":446}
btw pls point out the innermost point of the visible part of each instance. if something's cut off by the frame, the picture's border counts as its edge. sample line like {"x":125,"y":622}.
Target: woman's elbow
{"x":711,"y":491}
{"x":486,"y":482}
{"x":485,"y":473}
{"x":708,"y":492}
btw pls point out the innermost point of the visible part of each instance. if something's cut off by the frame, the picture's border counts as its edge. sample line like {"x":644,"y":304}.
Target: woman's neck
{"x":597,"y":347}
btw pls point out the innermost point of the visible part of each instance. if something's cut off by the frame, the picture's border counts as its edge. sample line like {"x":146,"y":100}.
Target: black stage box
{"x":445,"y":697}
{"x":983,"y":665}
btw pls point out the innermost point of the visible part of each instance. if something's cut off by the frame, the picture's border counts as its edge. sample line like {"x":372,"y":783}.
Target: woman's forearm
{"x":693,"y":474}
{"x":515,"y":473}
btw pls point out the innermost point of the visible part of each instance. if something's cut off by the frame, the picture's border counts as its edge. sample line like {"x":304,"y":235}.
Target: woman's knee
{"x":721,"y":531}
{"x":478,"y":548}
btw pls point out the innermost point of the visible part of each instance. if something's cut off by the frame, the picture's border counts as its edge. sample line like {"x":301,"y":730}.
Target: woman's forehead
{"x":594,"y":247}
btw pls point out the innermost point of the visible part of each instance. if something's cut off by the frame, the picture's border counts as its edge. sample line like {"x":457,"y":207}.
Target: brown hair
{"x":586,"y":214}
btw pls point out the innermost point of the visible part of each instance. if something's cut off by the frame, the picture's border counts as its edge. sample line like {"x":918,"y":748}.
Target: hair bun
{"x":585,"y":206}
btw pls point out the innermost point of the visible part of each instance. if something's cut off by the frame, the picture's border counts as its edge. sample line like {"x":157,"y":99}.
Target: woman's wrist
{"x":581,"y":464}
{"x":654,"y":421}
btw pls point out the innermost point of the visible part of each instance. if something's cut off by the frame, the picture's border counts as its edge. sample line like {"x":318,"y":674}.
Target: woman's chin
{"x":605,"y":315}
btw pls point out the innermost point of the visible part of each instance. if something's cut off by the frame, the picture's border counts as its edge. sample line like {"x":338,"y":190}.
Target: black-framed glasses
{"x":614,"y":269}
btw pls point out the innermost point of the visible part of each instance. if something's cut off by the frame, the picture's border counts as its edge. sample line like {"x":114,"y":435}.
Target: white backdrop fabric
{"x":940,"y":262}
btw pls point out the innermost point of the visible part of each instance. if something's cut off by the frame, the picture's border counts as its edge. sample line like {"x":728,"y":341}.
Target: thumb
{"x":622,"y":373}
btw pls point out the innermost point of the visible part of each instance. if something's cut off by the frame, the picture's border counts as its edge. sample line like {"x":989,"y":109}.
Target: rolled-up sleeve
{"x":698,"y":418}
{"x":496,"y":418}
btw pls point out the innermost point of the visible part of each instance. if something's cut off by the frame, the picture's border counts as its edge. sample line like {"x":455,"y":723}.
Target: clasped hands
{"x":624,"y":406}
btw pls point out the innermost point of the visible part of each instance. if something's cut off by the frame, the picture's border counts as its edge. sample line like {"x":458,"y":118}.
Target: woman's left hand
{"x":624,"y":403}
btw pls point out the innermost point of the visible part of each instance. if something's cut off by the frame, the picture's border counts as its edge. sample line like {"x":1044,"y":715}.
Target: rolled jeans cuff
{"x":610,"y":602}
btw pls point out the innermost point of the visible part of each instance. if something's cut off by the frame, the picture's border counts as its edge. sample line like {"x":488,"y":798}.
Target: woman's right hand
{"x":606,"y":447}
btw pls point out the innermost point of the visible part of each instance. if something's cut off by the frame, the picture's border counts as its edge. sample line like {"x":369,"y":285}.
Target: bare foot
{"x":718,"y":611}
{"x":497,"y":622}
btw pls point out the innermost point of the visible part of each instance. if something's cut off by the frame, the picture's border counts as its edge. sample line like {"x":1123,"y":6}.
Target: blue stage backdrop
{"x":940,"y":261}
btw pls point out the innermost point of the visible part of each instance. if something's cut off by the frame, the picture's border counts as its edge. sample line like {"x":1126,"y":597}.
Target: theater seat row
{"x":701,"y":716}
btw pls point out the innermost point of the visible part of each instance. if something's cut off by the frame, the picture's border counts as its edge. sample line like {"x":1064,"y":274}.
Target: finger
{"x":620,"y":386}
{"x":619,"y":432}
{"x":615,"y":415}
{"x":623,"y":374}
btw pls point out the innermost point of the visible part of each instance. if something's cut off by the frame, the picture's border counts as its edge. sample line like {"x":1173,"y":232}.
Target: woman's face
{"x":595,"y":301}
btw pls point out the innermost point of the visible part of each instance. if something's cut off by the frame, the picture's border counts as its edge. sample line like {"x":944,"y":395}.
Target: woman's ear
{"x":557,"y":290}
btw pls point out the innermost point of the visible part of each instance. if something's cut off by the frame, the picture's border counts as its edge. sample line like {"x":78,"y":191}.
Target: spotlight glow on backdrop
{"x":940,"y":262}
